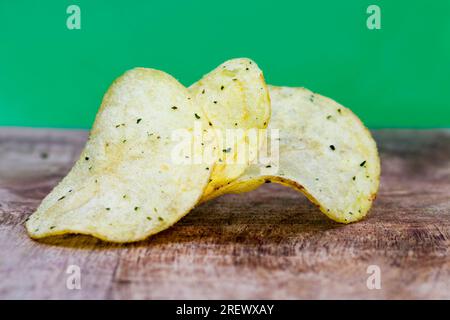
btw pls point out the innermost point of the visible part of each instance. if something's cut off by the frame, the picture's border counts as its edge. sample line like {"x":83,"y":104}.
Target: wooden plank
{"x":270,"y":243}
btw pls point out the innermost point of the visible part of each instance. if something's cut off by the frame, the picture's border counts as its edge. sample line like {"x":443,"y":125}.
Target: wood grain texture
{"x":270,"y":243}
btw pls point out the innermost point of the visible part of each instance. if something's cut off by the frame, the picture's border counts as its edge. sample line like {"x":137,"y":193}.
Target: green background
{"x":398,"y":76}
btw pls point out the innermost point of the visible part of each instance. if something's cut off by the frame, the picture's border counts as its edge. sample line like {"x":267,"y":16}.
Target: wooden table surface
{"x":270,"y":243}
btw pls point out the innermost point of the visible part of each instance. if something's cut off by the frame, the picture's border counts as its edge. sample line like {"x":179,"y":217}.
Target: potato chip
{"x":126,"y":184}
{"x":324,"y":151}
{"x":235,"y":99}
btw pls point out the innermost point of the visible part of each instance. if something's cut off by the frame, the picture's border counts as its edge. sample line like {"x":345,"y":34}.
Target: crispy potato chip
{"x":126,"y":185}
{"x":324,"y":151}
{"x":235,"y":99}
